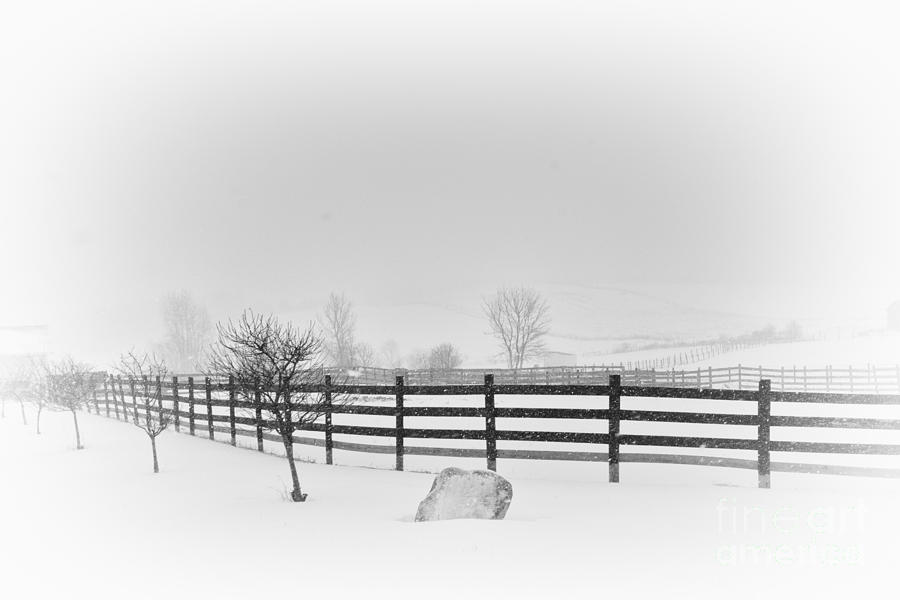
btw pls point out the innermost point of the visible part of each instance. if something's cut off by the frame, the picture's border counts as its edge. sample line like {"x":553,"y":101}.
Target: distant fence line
{"x":193,"y":406}
{"x":828,"y":379}
{"x":688,"y":356}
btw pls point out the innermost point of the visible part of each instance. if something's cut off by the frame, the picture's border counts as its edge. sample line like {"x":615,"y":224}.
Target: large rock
{"x":460,"y":494}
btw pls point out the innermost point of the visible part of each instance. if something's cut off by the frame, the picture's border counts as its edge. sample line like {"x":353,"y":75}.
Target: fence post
{"x":134,"y":413}
{"x":147,"y":402}
{"x":192,"y":412}
{"x":258,"y":415}
{"x":175,"y":406}
{"x":159,"y":395}
{"x":490,"y":423}
{"x":231,"y":423}
{"x":115,"y":399}
{"x":285,"y":384}
{"x":329,"y":427}
{"x":398,"y":413}
{"x":209,"y":413}
{"x":763,"y":415}
{"x":94,"y":396}
{"x":740,"y":378}
{"x":112,"y":388}
{"x":615,"y":403}
{"x":106,"y":397}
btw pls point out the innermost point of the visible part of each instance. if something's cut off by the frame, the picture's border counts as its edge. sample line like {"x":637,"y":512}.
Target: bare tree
{"x":444,"y":356}
{"x":70,"y":386}
{"x":364,"y":355}
{"x":792,"y":332}
{"x":147,"y":372}
{"x":418,"y":359}
{"x":39,"y":376}
{"x":16,"y":384}
{"x":270,"y":361}
{"x":389,"y":355}
{"x":187,"y":332}
{"x":519,"y":319}
{"x":339,"y":325}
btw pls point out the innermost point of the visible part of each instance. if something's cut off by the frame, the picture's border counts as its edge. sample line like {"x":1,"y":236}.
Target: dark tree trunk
{"x":38,"y":419}
{"x":78,"y":445}
{"x":296,"y":494}
{"x":24,"y":418}
{"x":155,"y":459}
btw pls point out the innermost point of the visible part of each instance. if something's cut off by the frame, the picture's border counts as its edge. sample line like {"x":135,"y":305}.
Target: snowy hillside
{"x":591,"y":321}
{"x":880,"y":348}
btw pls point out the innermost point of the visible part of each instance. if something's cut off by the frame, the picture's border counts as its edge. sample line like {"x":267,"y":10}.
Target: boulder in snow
{"x":460,"y":494}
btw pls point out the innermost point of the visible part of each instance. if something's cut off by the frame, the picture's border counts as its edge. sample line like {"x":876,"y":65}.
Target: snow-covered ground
{"x":98,"y":523}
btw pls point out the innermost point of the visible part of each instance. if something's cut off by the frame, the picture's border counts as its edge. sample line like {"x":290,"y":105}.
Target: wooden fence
{"x":829,"y":379}
{"x":687,"y":356}
{"x":204,"y":405}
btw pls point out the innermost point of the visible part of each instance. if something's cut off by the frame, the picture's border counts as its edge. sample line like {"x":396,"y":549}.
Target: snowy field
{"x":881,"y":349}
{"x":97,"y":523}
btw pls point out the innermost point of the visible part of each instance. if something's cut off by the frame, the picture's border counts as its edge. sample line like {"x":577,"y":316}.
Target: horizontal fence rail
{"x":828,"y":379}
{"x":218,"y":408}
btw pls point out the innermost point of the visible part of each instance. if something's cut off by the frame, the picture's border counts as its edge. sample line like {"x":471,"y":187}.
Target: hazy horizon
{"x":740,"y":163}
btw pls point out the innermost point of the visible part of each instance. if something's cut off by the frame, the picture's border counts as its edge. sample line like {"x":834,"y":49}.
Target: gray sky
{"x":263,"y":154}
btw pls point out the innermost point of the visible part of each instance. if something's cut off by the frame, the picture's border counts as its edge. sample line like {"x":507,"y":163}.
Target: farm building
{"x":19,"y":345}
{"x":558,"y":359}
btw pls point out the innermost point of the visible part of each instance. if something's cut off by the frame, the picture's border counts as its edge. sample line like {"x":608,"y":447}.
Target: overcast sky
{"x":264,"y":153}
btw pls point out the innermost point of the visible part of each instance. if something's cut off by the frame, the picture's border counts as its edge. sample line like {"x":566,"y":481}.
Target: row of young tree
{"x":69,"y":385}
{"x":272,"y":364}
{"x":48,"y":385}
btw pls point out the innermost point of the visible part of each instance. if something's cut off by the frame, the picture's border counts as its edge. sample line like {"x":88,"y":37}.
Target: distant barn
{"x":558,"y":359}
{"x":20,"y":345}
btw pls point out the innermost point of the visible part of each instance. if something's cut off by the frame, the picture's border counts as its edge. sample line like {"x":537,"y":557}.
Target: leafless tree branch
{"x":519,"y":319}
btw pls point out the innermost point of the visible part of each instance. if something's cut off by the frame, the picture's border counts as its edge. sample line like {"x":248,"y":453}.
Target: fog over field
{"x":730,"y":166}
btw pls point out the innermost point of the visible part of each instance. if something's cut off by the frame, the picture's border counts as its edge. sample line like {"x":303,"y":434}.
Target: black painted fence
{"x":117,"y":398}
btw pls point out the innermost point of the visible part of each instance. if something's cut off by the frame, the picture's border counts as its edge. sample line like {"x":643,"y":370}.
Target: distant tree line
{"x":518,"y":319}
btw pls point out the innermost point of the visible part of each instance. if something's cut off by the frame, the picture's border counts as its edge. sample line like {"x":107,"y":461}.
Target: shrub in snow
{"x":272,"y":366}
{"x":147,"y":374}
{"x":460,"y":494}
{"x":27,"y":381}
{"x":70,"y":386}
